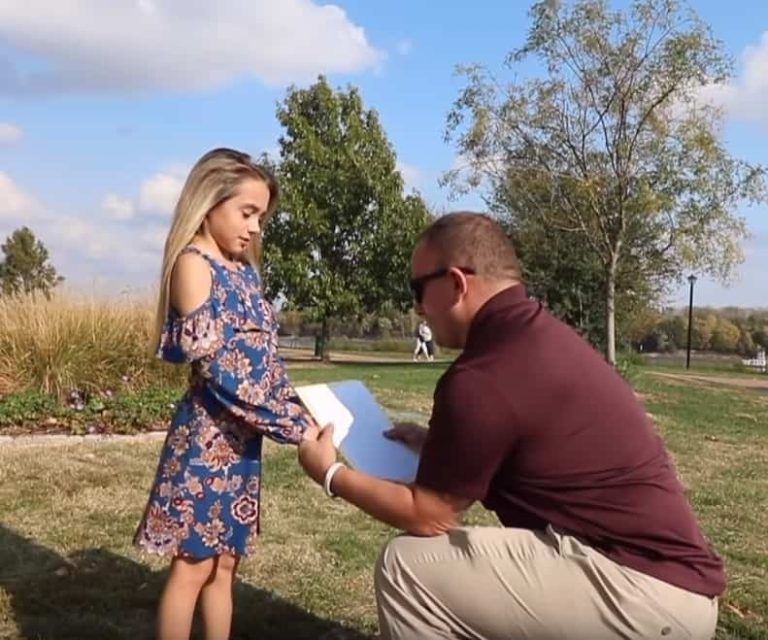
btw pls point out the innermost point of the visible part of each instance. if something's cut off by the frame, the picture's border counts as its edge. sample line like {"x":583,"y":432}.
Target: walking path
{"x":756,"y":383}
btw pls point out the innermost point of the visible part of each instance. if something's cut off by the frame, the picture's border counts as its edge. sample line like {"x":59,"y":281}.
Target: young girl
{"x":203,"y":509}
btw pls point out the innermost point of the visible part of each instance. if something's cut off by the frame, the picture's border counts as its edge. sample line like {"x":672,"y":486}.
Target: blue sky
{"x":105,"y":105}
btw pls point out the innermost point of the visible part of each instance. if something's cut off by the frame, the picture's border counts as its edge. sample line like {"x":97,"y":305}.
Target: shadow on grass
{"x":95,"y":593}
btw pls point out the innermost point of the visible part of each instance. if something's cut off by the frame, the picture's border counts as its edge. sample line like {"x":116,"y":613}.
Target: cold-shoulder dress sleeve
{"x":197,"y":335}
{"x":231,"y":342}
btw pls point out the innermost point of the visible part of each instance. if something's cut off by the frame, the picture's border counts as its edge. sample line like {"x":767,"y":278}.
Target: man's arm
{"x":417,"y":510}
{"x":414,"y":509}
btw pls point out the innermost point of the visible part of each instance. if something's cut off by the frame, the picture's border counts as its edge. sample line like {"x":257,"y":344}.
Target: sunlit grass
{"x":67,"y":569}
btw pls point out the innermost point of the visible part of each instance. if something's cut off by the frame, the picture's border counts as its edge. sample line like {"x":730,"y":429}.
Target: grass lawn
{"x":67,"y":569}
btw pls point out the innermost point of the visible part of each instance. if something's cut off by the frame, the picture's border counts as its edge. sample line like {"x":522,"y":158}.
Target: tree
{"x":612,"y":143}
{"x":760,"y":337}
{"x":745,"y":345}
{"x":703,"y":329}
{"x":341,"y":244}
{"x":676,"y":327}
{"x":561,"y":270}
{"x":643,"y":325}
{"x":557,"y":269}
{"x":25,"y":268}
{"x":725,"y":337}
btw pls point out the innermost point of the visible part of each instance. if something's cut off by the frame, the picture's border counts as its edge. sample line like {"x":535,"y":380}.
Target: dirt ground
{"x":307,"y":356}
{"x":757,"y":383}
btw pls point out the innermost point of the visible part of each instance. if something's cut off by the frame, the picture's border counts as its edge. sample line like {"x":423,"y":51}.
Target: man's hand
{"x":409,"y":433}
{"x":316,"y":452}
{"x":417,"y":510}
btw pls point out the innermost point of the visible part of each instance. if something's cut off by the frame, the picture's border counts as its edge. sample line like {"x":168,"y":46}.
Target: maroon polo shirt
{"x":534,"y":423}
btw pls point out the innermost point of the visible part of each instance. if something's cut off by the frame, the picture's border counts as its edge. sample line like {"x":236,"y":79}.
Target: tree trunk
{"x":610,"y":314}
{"x":321,"y":341}
{"x":325,"y":354}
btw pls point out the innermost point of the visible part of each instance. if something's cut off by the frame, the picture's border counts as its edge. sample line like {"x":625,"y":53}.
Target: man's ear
{"x":459,"y":284}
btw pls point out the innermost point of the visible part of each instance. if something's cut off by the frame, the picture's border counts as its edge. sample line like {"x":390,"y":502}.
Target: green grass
{"x":130,"y":410}
{"x":719,"y":438}
{"x":67,"y":569}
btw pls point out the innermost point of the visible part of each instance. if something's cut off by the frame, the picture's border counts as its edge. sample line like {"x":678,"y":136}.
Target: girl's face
{"x":235,"y":221}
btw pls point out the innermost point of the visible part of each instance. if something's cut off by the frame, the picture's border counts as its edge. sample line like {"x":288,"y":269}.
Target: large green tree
{"x":342,"y":240}
{"x":613,"y":128}
{"x":25,"y":267}
{"x":562,"y":270}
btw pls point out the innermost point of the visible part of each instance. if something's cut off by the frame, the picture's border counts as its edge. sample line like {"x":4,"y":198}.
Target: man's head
{"x":460,"y":261}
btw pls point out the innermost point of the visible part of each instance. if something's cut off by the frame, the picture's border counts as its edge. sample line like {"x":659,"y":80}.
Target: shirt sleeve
{"x":468,"y":441}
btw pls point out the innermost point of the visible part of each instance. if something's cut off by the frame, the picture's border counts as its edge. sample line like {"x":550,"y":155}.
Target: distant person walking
{"x":424,"y":342}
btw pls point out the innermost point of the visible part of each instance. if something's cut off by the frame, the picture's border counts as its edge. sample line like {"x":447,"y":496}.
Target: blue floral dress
{"x":205,"y":498}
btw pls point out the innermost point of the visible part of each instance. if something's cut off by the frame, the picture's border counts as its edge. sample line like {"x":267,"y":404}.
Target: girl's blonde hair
{"x":213,"y":180}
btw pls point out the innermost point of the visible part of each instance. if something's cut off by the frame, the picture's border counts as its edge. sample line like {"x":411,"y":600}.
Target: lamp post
{"x":692,"y":281}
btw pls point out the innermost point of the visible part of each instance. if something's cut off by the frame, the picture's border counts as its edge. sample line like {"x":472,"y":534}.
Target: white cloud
{"x":153,"y":239}
{"x":745,"y":96}
{"x":412,"y":176}
{"x":117,"y":207}
{"x":121,"y":248}
{"x":9,"y":133}
{"x":120,"y":251}
{"x":118,"y":244}
{"x":85,"y":238}
{"x":97,"y":46}
{"x":81,"y":245}
{"x":16,"y":204}
{"x":159,"y":193}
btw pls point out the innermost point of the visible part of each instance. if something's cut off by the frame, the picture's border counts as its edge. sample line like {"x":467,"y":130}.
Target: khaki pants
{"x":485,"y":583}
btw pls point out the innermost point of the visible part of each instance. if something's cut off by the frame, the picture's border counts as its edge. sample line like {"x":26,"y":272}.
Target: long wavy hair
{"x":214,"y":179}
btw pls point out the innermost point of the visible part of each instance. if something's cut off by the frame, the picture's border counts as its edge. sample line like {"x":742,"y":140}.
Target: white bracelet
{"x":329,"y":476}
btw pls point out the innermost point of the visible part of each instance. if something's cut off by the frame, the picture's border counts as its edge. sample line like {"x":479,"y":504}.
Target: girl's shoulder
{"x":191,"y":281}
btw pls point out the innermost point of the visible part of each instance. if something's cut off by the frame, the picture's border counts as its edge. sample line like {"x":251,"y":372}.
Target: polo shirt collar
{"x":503,"y":300}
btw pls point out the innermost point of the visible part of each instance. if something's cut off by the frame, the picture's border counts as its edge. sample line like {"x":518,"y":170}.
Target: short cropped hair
{"x":474,"y":240}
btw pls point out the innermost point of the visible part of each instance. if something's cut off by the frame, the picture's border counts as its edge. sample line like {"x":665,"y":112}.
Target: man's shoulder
{"x":462,"y":381}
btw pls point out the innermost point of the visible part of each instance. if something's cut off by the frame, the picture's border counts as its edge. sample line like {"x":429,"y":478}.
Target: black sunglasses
{"x":418,"y":284}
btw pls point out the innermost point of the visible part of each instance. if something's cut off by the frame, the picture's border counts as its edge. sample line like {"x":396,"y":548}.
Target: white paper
{"x":359,"y":424}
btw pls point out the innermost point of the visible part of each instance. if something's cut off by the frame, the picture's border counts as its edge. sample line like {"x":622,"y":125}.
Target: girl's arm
{"x":241,"y":372}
